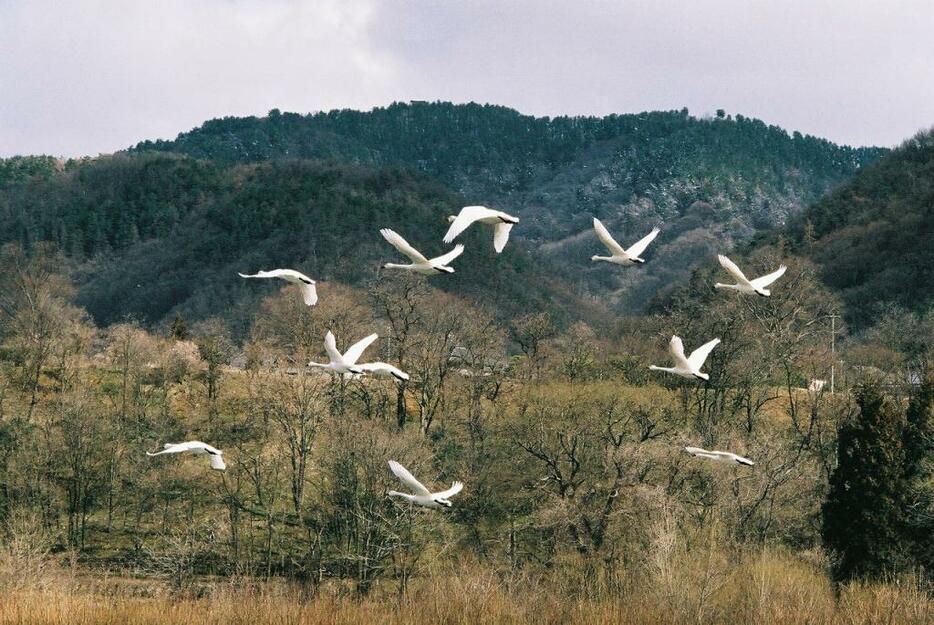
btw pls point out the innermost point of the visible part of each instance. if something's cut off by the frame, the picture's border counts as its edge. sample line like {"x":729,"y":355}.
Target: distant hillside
{"x":166,"y":226}
{"x":708,"y":182}
{"x":154,"y":234}
{"x":874,"y":236}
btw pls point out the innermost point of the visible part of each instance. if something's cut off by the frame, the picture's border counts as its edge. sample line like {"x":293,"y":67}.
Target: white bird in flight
{"x":346,"y":362}
{"x":422,"y":496}
{"x":309,"y":294}
{"x":197,"y":448}
{"x":688,"y":367}
{"x":619,"y":255}
{"x":720,"y":456}
{"x":744,"y":284}
{"x":420,"y":264}
{"x":383,"y":369}
{"x":502,"y":224}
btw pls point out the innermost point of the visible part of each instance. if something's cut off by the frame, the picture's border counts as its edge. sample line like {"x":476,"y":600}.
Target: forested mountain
{"x":873,"y":237}
{"x":156,"y":234}
{"x":165,"y":227}
{"x":708,"y":182}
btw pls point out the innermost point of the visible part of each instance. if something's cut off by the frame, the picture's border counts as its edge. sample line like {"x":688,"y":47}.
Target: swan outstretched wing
{"x":699,"y":355}
{"x":444,"y":259}
{"x":735,"y":271}
{"x":635,"y":250}
{"x":275,"y":273}
{"x":467,"y":216}
{"x":396,"y":240}
{"x":607,"y":239}
{"x":217,"y":462}
{"x":408,"y":479}
{"x":383,"y":367}
{"x":356,"y":350}
{"x":676,"y":349}
{"x":766,"y":280}
{"x":309,"y":294}
{"x":456,"y":487}
{"x":728,"y":455}
{"x":330,"y":346}
{"x":501,"y":235}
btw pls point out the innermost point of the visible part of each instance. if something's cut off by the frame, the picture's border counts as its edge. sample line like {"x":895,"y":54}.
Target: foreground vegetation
{"x":768,"y":587}
{"x":579,"y":504}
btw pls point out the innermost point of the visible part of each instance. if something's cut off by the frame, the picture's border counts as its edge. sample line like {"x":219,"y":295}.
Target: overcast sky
{"x":89,"y":76}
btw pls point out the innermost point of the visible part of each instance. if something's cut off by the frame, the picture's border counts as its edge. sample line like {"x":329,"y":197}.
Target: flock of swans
{"x":346,"y":364}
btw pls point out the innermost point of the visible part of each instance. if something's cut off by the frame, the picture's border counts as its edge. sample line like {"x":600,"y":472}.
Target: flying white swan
{"x":382,"y":369}
{"x":346,"y":362}
{"x":420,"y":264}
{"x":744,"y":284}
{"x":502,"y":224}
{"x":720,"y":456}
{"x":197,"y":448}
{"x":309,"y":294}
{"x":688,"y":367}
{"x":422,"y":496}
{"x":619,"y":255}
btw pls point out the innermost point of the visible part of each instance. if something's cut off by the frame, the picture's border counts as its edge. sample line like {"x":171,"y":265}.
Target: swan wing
{"x":309,"y":294}
{"x":383,"y":367}
{"x":217,"y":462}
{"x":699,"y":355}
{"x":467,"y":216}
{"x":735,"y":271}
{"x":766,"y":280}
{"x":728,"y":455}
{"x":676,"y":349}
{"x":275,"y":273}
{"x":403,"y":246}
{"x":607,"y":239}
{"x":635,"y":250}
{"x":456,"y":487}
{"x":356,"y":350}
{"x":169,"y":448}
{"x":444,"y":259}
{"x":408,"y":479}
{"x":501,"y":235}
{"x":330,"y":346}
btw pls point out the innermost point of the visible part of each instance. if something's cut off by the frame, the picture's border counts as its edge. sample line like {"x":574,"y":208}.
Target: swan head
{"x":451,"y":218}
{"x":702,"y":376}
{"x":444,"y":502}
{"x":764,"y":292}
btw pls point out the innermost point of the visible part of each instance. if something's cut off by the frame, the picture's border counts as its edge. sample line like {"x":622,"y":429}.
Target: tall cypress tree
{"x":862,"y":516}
{"x":918,"y":505}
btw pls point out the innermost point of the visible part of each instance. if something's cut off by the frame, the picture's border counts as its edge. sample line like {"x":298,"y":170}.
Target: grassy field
{"x":771,"y":588}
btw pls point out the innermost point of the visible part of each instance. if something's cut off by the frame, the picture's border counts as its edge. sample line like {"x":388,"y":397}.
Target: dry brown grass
{"x":768,"y":589}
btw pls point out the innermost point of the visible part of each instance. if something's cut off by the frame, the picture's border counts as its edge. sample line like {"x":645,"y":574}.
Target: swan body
{"x":620,"y":256}
{"x":502,"y":223}
{"x":744,"y":284}
{"x":719,"y":456}
{"x":346,"y":362}
{"x":420,"y":264}
{"x":195,"y":447}
{"x":309,"y":294}
{"x":422,"y":496}
{"x":688,"y":367}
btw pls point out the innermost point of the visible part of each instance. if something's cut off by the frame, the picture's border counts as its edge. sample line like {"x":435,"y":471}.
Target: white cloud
{"x":89,"y":76}
{"x":85,"y":77}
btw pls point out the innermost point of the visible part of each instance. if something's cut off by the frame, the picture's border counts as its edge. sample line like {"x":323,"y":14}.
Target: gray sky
{"x":89,"y":76}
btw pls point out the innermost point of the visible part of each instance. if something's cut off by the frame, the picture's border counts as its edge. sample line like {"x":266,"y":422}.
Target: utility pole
{"x":833,"y":349}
